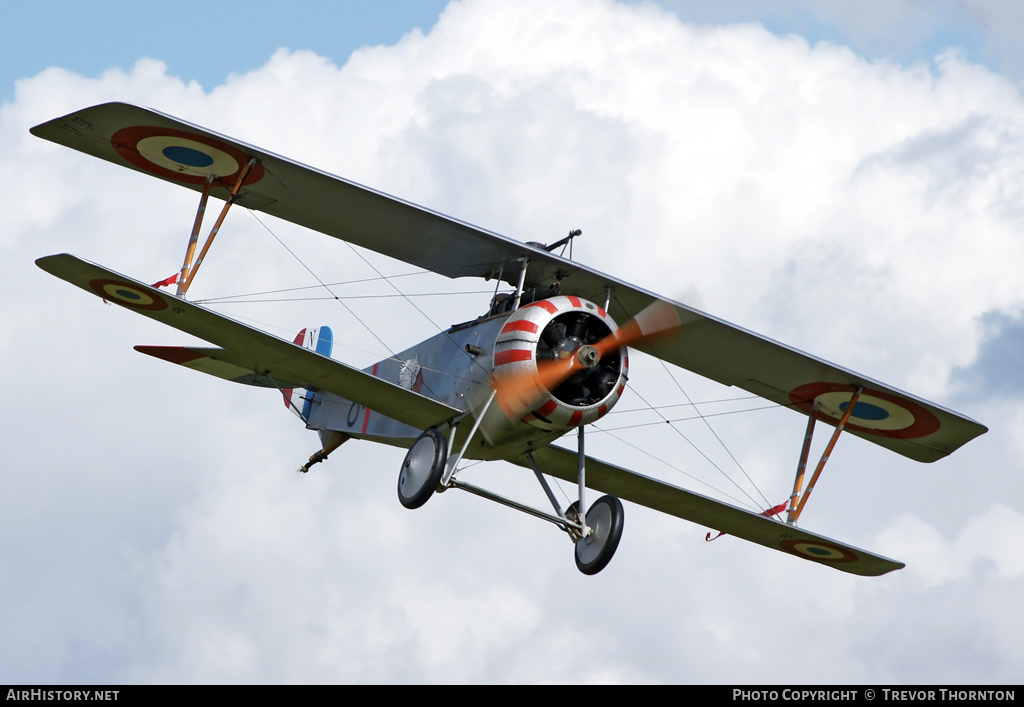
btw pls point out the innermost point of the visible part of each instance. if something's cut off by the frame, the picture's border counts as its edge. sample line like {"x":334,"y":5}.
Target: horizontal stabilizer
{"x":212,"y":361}
{"x":244,"y":348}
{"x":629,"y":485}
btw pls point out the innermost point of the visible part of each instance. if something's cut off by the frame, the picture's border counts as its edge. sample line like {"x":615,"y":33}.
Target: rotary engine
{"x":557,"y":328}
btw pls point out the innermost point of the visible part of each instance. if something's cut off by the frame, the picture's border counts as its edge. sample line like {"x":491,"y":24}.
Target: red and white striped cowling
{"x":515,"y":351}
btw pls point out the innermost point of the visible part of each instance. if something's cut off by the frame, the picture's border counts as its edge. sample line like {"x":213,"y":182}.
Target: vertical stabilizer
{"x":321,"y":340}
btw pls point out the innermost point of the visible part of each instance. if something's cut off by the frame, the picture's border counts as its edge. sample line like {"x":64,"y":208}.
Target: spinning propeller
{"x":519,"y":392}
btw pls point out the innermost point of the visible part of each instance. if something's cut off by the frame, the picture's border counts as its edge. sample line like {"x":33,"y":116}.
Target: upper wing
{"x":731,"y":355}
{"x":180,"y":152}
{"x":171,"y":149}
{"x":710,"y":513}
{"x":248,"y":349}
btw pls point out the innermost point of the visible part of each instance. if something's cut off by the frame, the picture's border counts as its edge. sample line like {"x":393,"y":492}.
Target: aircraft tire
{"x":422,"y":469}
{"x":606,"y":519}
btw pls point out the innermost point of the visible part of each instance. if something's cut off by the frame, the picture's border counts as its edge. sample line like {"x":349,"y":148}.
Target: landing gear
{"x":605,"y":521}
{"x":595,"y":534}
{"x":422,"y":469}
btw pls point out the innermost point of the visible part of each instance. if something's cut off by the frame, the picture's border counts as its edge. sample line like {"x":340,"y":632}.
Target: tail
{"x":300,"y":400}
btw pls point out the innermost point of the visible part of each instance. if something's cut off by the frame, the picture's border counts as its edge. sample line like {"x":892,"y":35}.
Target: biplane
{"x":548,"y":357}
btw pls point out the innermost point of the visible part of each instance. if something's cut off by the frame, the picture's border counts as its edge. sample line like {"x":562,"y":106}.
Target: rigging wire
{"x":688,"y":419}
{"x":238,"y":299}
{"x":322,"y":283}
{"x":670,"y":423}
{"x":314,"y":214}
{"x":333,"y":296}
{"x":311,"y":287}
{"x":681,"y":471}
{"x":737,"y":399}
{"x":695,"y":448}
{"x":768,"y":503}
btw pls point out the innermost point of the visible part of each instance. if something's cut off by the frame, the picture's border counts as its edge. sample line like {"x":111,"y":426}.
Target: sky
{"x":847,"y":182}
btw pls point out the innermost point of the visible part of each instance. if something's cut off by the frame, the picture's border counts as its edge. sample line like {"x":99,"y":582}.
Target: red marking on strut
{"x":167,"y":281}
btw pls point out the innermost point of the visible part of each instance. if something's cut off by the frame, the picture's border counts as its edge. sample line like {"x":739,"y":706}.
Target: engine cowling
{"x":557,"y":327}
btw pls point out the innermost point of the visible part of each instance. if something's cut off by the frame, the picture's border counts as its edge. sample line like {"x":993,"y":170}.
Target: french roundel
{"x":183,"y":156}
{"x":817,"y":550}
{"x":127,"y":294}
{"x":876,"y":412}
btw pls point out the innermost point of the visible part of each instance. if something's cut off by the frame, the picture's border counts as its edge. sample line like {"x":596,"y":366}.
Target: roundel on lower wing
{"x":127,"y":294}
{"x":820,"y":551}
{"x":876,"y":412}
{"x":183,"y":156}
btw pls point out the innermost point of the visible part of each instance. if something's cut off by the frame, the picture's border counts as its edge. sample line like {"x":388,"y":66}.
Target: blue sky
{"x":198,"y":41}
{"x":207,"y":42}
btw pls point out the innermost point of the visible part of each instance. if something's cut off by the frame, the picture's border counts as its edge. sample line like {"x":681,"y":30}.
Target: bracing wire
{"x":322,"y":283}
{"x":237,"y":299}
{"x":697,"y":449}
{"x":298,"y":198}
{"x":676,"y":468}
{"x":674,"y":420}
{"x":249,"y":298}
{"x":341,"y":300}
{"x":707,"y":423}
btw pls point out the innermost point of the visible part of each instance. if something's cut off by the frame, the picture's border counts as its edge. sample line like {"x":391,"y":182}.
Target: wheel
{"x":605,"y":519}
{"x":422,"y":468}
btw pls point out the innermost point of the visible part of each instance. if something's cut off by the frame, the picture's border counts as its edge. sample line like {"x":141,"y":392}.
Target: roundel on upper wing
{"x":876,"y":412}
{"x":182,"y":156}
{"x":127,"y":294}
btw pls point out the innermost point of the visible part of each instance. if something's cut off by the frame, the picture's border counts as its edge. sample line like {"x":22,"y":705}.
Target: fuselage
{"x":456,"y":367}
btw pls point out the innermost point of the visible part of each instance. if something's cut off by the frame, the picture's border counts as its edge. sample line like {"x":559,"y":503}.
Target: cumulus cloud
{"x":863,"y":210}
{"x":899,"y":30}
{"x":986,"y":545}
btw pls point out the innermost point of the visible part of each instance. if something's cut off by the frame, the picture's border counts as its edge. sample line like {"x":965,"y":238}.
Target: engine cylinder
{"x":555,"y":328}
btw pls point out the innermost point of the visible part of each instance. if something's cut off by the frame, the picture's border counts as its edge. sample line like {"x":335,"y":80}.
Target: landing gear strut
{"x":595,"y":534}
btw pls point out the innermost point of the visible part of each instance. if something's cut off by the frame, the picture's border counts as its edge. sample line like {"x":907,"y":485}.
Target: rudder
{"x":321,"y":341}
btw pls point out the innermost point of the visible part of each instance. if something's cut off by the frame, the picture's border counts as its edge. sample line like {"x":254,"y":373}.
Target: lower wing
{"x":245,"y":350}
{"x":629,"y":485}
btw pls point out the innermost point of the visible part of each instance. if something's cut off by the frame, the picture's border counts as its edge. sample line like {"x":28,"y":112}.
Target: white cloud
{"x":864,"y":211}
{"x":985,"y":545}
